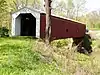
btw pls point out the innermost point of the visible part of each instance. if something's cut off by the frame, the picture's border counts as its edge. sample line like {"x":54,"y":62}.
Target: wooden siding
{"x":62,"y":28}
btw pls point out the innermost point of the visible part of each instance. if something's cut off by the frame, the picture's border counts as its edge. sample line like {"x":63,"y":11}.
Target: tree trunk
{"x":48,"y":21}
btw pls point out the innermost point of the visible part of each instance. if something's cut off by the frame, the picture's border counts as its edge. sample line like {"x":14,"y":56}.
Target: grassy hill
{"x":22,"y":56}
{"x":17,"y":58}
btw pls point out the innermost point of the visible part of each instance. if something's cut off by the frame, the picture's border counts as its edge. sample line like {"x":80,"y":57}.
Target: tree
{"x":93,"y":19}
{"x":3,"y":5}
{"x":18,"y":4}
{"x":48,"y":21}
{"x":59,"y":8}
{"x":3,"y":11}
{"x":36,"y":4}
{"x":69,"y":8}
{"x":79,"y":8}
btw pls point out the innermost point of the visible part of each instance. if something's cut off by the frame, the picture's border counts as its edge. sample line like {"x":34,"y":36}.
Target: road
{"x":95,"y":34}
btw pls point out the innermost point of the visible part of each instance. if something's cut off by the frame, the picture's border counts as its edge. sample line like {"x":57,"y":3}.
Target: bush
{"x":4,"y":32}
{"x":61,"y":42}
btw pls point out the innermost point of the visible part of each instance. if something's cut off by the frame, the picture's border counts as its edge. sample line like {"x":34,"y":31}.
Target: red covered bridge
{"x":31,"y":22}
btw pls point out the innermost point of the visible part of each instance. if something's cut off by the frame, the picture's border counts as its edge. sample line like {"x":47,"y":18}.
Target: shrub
{"x":61,"y":43}
{"x":4,"y":32}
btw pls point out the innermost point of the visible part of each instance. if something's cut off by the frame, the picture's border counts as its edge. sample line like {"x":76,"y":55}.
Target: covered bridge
{"x":31,"y":22}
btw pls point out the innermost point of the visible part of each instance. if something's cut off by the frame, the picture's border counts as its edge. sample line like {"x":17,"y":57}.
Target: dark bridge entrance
{"x":28,"y":25}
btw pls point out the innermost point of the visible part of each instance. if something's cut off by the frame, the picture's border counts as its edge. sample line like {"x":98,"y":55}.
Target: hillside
{"x":17,"y":58}
{"x":25,"y":56}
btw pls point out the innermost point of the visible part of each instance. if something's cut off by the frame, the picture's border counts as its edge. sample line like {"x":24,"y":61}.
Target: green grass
{"x":23,"y":56}
{"x":94,"y":28}
{"x":17,"y":58}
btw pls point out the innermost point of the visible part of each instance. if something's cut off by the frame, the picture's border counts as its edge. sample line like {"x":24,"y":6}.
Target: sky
{"x":93,"y":5}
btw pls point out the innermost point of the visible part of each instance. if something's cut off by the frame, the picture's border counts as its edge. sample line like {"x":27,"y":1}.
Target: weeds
{"x":68,"y":61}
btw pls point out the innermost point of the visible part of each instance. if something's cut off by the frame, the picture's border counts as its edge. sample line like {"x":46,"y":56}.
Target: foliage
{"x":3,"y":11}
{"x":3,"y":5}
{"x":61,"y":43}
{"x":70,"y":8}
{"x":4,"y":32}
{"x":97,"y":25}
{"x":92,"y":19}
{"x":18,"y":4}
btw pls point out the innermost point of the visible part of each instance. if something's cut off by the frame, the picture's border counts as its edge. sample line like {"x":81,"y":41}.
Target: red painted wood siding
{"x":62,"y":28}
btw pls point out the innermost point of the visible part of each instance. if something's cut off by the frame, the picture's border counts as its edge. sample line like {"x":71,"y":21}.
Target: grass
{"x":25,"y":56}
{"x":70,"y":62}
{"x":17,"y":58}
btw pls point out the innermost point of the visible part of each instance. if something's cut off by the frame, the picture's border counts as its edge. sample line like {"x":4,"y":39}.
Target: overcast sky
{"x":93,"y":4}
